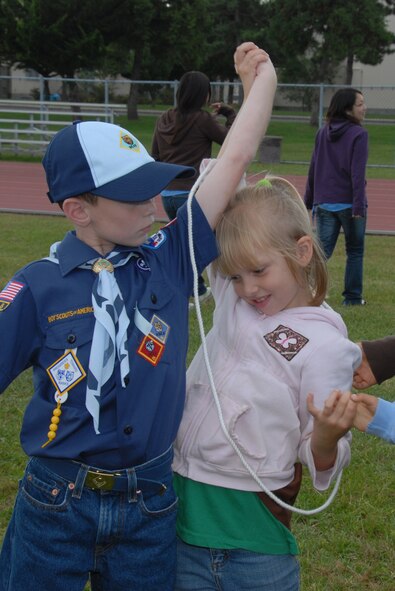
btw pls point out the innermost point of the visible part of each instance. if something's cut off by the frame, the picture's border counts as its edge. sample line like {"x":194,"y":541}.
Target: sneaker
{"x":354,"y":303}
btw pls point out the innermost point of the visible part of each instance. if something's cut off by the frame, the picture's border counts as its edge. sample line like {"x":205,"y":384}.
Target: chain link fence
{"x":109,"y":99}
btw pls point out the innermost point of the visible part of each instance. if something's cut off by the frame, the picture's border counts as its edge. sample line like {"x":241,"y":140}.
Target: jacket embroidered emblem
{"x":286,"y":341}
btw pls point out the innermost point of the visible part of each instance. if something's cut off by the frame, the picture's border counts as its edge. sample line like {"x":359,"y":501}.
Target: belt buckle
{"x":99,"y":480}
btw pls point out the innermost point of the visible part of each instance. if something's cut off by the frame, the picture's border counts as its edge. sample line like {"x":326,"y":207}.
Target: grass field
{"x":350,"y":546}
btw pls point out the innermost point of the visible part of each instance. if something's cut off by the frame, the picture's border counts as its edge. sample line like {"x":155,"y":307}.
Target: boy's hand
{"x":330,"y":424}
{"x":366,"y":409}
{"x":363,"y":375}
{"x":247,"y":59}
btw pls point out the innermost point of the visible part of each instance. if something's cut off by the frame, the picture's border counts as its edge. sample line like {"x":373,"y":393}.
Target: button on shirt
{"x":52,"y":313}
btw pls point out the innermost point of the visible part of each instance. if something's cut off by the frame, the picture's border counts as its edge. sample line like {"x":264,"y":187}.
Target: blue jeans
{"x":328,"y":229}
{"x":207,"y":569}
{"x":171,"y":203}
{"x":61,"y":533}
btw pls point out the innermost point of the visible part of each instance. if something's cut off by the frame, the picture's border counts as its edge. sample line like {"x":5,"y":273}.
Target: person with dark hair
{"x":336,"y":185}
{"x":184,"y":135}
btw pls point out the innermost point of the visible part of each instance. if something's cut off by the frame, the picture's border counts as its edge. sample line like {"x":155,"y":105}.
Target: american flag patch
{"x":11,"y":290}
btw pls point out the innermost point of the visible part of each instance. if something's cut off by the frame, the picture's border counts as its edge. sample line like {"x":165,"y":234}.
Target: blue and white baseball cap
{"x":106,"y":160}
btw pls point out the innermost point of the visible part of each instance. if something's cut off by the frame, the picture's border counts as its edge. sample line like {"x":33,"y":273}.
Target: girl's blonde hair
{"x":270,"y":216}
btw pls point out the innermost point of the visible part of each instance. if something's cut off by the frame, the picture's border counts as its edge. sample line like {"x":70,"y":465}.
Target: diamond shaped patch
{"x":286,"y":341}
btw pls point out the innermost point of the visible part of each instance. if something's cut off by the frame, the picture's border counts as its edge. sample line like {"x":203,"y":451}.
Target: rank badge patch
{"x":159,"y":329}
{"x":286,"y":341}
{"x":66,"y":372}
{"x":151,"y":349}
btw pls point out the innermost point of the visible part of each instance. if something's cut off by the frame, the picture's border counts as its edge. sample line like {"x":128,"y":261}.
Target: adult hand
{"x":363,"y":375}
{"x":222,"y":109}
{"x":366,"y":409}
{"x":216,"y":107}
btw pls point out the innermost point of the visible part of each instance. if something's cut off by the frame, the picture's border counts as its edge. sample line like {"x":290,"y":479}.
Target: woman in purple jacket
{"x":336,"y":185}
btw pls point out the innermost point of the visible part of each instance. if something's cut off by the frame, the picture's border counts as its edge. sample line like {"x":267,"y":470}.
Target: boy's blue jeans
{"x":328,"y":229}
{"x":61,"y":533}
{"x":208,"y":569}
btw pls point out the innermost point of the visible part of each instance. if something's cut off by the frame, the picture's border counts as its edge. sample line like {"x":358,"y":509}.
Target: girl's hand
{"x":330,"y":424}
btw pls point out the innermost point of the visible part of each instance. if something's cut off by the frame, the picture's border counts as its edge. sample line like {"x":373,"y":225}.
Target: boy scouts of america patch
{"x":286,"y":341}
{"x":9,"y":293}
{"x":156,"y":240}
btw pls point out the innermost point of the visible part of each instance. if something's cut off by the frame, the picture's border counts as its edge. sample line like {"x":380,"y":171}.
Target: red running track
{"x":23,"y":190}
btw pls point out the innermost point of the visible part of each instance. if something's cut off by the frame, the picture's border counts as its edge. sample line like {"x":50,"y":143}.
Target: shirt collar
{"x":72,"y":253}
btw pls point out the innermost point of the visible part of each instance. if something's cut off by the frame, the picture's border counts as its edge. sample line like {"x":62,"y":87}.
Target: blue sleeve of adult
{"x":383,"y":423}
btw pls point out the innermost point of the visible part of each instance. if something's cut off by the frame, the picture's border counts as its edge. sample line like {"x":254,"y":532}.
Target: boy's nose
{"x":151,"y":206}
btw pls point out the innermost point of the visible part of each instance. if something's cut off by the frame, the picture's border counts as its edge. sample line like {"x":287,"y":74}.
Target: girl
{"x":273,"y":342}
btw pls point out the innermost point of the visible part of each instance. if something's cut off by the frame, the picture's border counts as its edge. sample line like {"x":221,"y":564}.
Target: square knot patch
{"x":286,"y":341}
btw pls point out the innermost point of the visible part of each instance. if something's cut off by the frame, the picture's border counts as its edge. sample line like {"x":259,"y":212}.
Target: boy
{"x":103,"y":323}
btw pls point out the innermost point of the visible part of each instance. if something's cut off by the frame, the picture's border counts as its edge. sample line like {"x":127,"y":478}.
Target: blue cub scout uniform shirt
{"x":47,"y":310}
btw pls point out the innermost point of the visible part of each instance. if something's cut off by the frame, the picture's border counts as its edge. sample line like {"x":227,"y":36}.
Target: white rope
{"x":211,"y":379}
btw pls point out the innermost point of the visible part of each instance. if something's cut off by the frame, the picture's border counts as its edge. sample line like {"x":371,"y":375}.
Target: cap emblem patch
{"x":127,"y":142}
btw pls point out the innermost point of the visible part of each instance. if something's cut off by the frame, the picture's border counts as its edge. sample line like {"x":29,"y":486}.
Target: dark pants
{"x":328,"y":228}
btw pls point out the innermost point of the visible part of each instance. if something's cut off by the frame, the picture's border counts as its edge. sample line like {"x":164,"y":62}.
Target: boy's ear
{"x":76,"y":211}
{"x":304,"y":250}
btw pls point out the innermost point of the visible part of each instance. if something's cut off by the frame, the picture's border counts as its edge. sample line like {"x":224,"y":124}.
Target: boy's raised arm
{"x":259,"y":84}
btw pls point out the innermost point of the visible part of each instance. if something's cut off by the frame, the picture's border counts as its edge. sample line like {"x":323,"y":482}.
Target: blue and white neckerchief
{"x":110,"y":331}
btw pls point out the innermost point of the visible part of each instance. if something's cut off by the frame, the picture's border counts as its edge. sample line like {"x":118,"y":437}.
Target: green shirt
{"x":217,"y":517}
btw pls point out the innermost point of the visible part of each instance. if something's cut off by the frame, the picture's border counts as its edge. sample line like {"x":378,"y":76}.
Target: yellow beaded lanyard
{"x":65,"y":373}
{"x":53,"y":427}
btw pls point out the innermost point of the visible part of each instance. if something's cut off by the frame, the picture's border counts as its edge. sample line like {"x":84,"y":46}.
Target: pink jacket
{"x":263,"y":368}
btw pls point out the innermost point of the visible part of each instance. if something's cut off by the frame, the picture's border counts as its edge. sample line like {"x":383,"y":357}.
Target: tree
{"x":52,"y":38}
{"x":148,"y":38}
{"x":157,"y":39}
{"x":310,"y":39}
{"x":234,"y":21}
